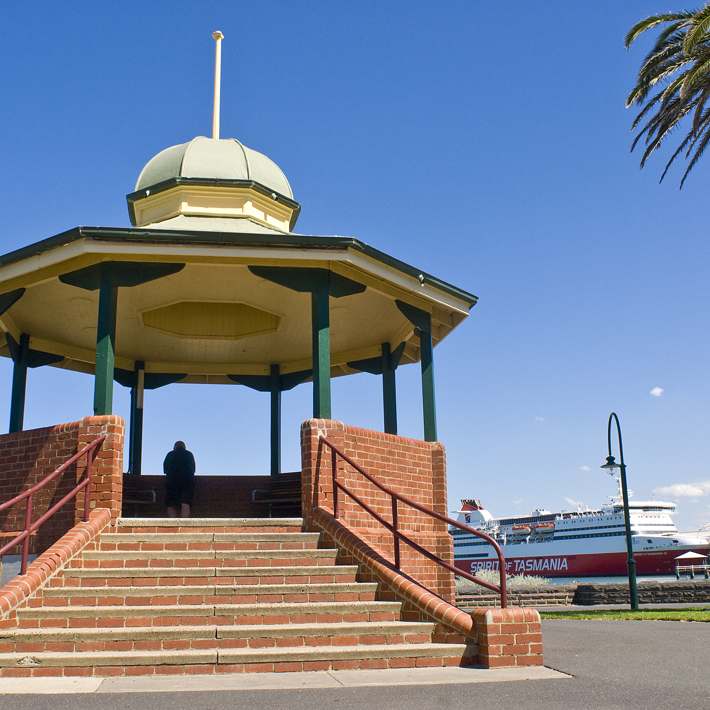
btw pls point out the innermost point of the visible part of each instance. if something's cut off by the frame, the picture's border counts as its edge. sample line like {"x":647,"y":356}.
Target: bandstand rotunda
{"x":211,"y":284}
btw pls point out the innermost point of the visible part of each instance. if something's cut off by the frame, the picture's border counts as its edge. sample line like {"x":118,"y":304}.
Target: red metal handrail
{"x":30,"y":527}
{"x":393,"y":527}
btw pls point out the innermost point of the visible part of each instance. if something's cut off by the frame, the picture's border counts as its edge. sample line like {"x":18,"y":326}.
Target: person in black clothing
{"x":179,"y":467}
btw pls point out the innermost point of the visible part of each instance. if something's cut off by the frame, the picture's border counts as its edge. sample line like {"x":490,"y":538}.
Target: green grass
{"x":685,"y":614}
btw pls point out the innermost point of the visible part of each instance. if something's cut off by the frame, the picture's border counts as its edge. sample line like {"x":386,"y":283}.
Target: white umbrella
{"x":690,"y":556}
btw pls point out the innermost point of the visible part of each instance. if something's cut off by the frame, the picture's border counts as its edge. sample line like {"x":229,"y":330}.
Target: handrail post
{"x":503,"y":588}
{"x":26,"y":541}
{"x":395,"y":525}
{"x":28,"y":495}
{"x":87,"y":489}
{"x":334,"y":466}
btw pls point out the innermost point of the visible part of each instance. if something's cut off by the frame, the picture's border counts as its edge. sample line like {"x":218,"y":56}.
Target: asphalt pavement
{"x":644,"y":665}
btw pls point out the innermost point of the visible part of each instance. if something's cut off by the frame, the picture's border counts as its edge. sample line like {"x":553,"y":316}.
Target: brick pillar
{"x":415,"y":469}
{"x":446,"y":584}
{"x":107,"y":471}
{"x":316,"y":482}
{"x":508,"y":637}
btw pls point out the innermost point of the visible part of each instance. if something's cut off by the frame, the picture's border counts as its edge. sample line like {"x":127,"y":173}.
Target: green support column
{"x":19,"y":384}
{"x":105,"y":344}
{"x":321,"y":284}
{"x":131,"y":432}
{"x":389,"y":390}
{"x":421,"y":320}
{"x":428,"y":399}
{"x":320,"y":319}
{"x":275,"y":384}
{"x":135,"y":456}
{"x":106,"y":277}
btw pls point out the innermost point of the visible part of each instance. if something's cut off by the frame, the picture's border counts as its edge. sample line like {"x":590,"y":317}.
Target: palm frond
{"x":660,"y":128}
{"x":653,"y":21}
{"x":674,"y":156}
{"x":661,"y":72}
{"x":701,"y":22}
{"x":697,"y":135}
{"x":645,"y":110}
{"x":673,"y":85}
{"x":654,"y":143}
{"x":661,"y":66}
{"x":664,"y":38}
{"x":702,"y":100}
{"x":669,"y":48}
{"x":699,"y":151}
{"x":700,"y":71}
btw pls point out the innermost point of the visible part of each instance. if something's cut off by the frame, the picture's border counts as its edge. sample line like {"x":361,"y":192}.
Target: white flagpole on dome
{"x":217,"y":78}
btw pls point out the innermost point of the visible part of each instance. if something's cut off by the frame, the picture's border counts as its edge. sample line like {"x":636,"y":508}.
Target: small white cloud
{"x":656,"y":392}
{"x":574,"y":503}
{"x":584,"y":468}
{"x":539,"y":419}
{"x":683,"y":490}
{"x":518,"y":502}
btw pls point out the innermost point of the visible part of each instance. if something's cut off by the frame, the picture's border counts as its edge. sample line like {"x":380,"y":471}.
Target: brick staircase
{"x":199,"y":596}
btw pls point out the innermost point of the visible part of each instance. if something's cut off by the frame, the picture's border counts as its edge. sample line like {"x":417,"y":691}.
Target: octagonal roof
{"x":186,"y":321}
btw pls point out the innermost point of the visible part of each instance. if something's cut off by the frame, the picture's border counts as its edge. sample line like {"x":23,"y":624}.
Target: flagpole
{"x":218,"y":36}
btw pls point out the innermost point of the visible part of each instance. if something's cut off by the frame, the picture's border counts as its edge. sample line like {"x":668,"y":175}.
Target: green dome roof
{"x":210,"y":158}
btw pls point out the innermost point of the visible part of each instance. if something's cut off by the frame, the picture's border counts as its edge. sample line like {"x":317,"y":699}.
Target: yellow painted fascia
{"x":45,"y":266}
{"x":390,"y":277}
{"x":203,"y":200}
{"x":89,"y":250}
{"x":376,"y":283}
{"x":217,"y":254}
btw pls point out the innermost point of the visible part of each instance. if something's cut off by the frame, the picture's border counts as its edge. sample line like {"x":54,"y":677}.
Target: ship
{"x":579,"y":543}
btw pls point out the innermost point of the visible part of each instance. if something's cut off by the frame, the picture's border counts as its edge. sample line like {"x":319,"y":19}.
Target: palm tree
{"x":678,"y":70}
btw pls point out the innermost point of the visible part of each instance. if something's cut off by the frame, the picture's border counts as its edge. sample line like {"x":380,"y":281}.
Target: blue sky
{"x":485,"y":142}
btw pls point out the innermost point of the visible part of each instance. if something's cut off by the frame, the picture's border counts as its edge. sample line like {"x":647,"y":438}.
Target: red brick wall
{"x":26,"y":457}
{"x":215,"y":497}
{"x":508,"y":637}
{"x":416,"y":469}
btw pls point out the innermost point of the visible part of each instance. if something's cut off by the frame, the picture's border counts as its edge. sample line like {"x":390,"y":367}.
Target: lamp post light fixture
{"x":611,"y":465}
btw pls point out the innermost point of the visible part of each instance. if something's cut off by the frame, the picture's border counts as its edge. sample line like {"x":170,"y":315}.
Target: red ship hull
{"x":601,"y":564}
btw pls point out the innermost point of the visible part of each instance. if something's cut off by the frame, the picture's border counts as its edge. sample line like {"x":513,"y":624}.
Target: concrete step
{"x":123,"y":615}
{"x":197,"y":596}
{"x":169,"y":576}
{"x":207,"y":558}
{"x":208,"y":594}
{"x":105,"y":663}
{"x":218,"y":541}
{"x":210,"y":524}
{"x":207,"y":637}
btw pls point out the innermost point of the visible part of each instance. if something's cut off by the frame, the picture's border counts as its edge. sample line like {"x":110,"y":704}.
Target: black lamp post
{"x":611,"y":465}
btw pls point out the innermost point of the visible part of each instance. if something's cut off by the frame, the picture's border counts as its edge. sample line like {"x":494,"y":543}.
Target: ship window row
{"x":527,"y":520}
{"x":576,"y":537}
{"x":560,"y":537}
{"x":651,"y":508}
{"x":597,"y":527}
{"x":457,"y":533}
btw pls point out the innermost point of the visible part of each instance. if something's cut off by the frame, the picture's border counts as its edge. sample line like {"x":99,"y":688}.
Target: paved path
{"x":640,"y":665}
